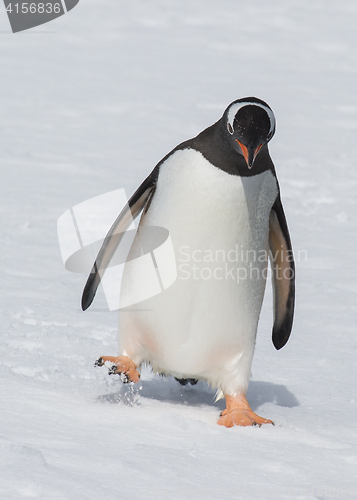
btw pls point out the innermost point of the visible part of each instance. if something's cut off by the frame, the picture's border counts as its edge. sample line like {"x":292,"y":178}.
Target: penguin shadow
{"x":168,"y":390}
{"x":260,"y":393}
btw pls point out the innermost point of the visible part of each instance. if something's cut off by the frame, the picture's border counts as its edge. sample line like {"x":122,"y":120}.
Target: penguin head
{"x":249,"y":125}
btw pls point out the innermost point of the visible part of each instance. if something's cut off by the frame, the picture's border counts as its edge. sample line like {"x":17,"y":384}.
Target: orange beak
{"x":248,"y":156}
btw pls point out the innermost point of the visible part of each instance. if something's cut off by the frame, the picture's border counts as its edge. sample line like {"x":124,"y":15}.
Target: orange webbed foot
{"x":238,"y":412}
{"x":122,"y":365}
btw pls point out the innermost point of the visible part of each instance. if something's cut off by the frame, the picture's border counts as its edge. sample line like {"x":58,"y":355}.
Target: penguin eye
{"x":230,"y":128}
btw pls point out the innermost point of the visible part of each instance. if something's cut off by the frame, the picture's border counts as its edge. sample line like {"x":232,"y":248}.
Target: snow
{"x":90,"y":103}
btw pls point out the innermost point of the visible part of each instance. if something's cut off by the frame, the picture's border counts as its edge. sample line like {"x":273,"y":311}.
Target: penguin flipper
{"x":283,"y":271}
{"x":131,"y":210}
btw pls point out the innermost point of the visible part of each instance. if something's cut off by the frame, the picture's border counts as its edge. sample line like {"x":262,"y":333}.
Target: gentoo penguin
{"x":218,"y":196}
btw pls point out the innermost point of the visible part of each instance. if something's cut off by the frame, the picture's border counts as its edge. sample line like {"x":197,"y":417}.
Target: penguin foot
{"x":238,"y":412}
{"x":185,"y":381}
{"x":122,"y":365}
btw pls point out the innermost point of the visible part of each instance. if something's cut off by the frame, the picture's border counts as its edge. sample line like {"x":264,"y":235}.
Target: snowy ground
{"x":90,"y":103}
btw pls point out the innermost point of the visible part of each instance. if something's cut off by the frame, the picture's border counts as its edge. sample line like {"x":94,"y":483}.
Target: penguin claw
{"x":122,"y":366}
{"x":99,"y":362}
{"x":185,"y":381}
{"x":113,"y":370}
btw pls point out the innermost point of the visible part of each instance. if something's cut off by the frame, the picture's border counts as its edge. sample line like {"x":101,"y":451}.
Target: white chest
{"x":205,"y":207}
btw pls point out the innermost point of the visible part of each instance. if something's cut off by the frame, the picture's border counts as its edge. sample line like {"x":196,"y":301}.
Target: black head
{"x":249,"y":125}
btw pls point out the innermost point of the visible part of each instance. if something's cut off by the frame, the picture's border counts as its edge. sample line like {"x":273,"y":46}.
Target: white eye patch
{"x":233,"y":110}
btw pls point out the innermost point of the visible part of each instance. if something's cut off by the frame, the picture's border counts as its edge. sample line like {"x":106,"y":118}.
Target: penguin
{"x":218,"y":196}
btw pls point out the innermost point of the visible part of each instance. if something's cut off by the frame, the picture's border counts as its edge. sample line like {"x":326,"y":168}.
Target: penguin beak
{"x":249,"y":153}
